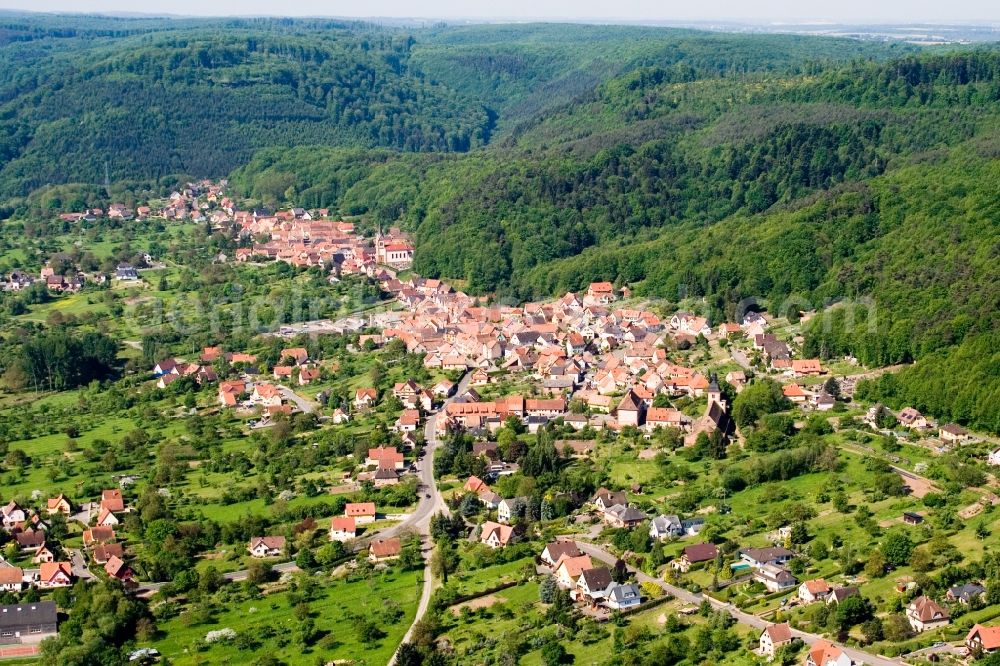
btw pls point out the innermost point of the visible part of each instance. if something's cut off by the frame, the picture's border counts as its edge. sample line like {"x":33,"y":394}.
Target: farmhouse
{"x":266,"y":546}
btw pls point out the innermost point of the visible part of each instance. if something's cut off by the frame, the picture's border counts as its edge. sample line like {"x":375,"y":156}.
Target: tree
{"x":832,"y":387}
{"x":852,"y":611}
{"x":547,"y":589}
{"x":897,"y":548}
{"x":764,"y":396}
{"x":553,"y":653}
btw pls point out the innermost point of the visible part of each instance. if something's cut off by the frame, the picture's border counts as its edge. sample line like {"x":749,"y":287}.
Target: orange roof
{"x":575,"y":565}
{"x":48,"y":570}
{"x":989,"y":637}
{"x":359,"y":509}
{"x":342,"y":524}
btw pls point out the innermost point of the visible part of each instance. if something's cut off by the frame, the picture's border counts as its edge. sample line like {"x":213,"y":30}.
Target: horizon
{"x":768,"y":13}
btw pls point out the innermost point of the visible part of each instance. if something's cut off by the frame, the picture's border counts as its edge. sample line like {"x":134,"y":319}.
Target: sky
{"x":880,"y":11}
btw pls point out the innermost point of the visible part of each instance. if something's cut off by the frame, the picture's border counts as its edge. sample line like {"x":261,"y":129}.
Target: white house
{"x":773,"y":637}
{"x":623,"y":597}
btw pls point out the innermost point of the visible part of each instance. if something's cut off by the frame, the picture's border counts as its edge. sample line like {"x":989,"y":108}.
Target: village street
{"x":747,"y":619}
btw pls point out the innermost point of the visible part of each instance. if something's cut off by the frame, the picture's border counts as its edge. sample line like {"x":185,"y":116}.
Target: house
{"x":966,"y":593}
{"x":12,"y":514}
{"x":983,"y":640}
{"x":55,"y":574}
{"x":308,"y":375}
{"x":593,"y":584}
{"x":112,"y":500}
{"x":59,"y":504}
{"x":385,"y":457}
{"x":601,"y":293}
{"x":911,"y":518}
{"x":105,"y":551}
{"x":813,"y":590}
{"x":28,"y":623}
{"x":365,"y":398}
{"x":568,"y":569}
{"x":230,"y":391}
{"x":911,"y":418}
{"x":118,"y":570}
{"x":266,"y":394}
{"x":825,"y":653}
{"x":773,"y":637}
{"x":605,"y":499}
{"x":342,"y":528}
{"x":30,"y":540}
{"x":556,"y":550}
{"x":382,"y":550}
{"x":623,"y":515}
{"x":266,"y":546}
{"x":806,"y":367}
{"x":496,"y":535}
{"x":623,"y":597}
{"x":994,"y":457}
{"x":795,"y":393}
{"x":508,"y":509}
{"x":664,"y":527}
{"x":107,"y":519}
{"x":699,"y":552}
{"x":953,"y":433}
{"x":760,"y":557}
{"x":340,"y":416}
{"x":631,"y":410}
{"x":838,"y":594}
{"x":298,"y":355}
{"x":11,"y":579}
{"x":775,"y":578}
{"x":363,"y":513}
{"x":43,"y":554}
{"x":126,"y":272}
{"x":96,"y":535}
{"x":924,"y":614}
{"x":408,"y":421}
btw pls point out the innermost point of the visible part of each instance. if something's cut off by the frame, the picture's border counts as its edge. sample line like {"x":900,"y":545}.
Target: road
{"x":301,"y":403}
{"x":740,"y":357}
{"x":747,"y":619}
{"x":427,"y":507}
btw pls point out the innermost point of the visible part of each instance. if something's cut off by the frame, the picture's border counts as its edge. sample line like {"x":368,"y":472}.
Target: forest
{"x":530,"y":160}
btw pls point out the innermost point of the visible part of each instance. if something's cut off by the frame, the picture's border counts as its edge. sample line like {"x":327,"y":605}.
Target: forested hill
{"x":82,"y":98}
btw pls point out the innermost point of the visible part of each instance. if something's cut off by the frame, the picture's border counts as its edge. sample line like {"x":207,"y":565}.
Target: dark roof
{"x":842,"y":593}
{"x":598,"y":578}
{"x":767,"y":554}
{"x":558,"y":549}
{"x":700,"y":552}
{"x":21,"y":615}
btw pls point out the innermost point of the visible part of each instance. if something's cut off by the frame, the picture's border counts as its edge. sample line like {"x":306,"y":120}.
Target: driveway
{"x":303,"y":405}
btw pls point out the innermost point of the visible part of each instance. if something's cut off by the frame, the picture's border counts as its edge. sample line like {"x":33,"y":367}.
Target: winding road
{"x":748,"y":619}
{"x":430,"y":503}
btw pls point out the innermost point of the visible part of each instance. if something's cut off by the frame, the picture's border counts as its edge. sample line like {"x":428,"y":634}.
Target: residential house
{"x":55,"y":574}
{"x":825,"y":653}
{"x":386,"y":457}
{"x":508,"y":509}
{"x":96,"y":535}
{"x":342,"y":528}
{"x":569,"y":568}
{"x":105,"y":551}
{"x":623,"y":515}
{"x":59,"y":504}
{"x":112,"y":500}
{"x":994,"y":457}
{"x":11,"y":579}
{"x":28,"y":623}
{"x":382,"y":550}
{"x":924,"y":614}
{"x":911,"y":418}
{"x":623,"y":597}
{"x":983,"y":640}
{"x":593,"y":585}
{"x":760,"y":557}
{"x":806,"y":367}
{"x":12,"y":515}
{"x":365,"y":398}
{"x":601,"y":293}
{"x":631,"y":410}
{"x":43,"y":554}
{"x":966,"y":593}
{"x":408,"y":421}
{"x":664,"y":527}
{"x":775,"y":578}
{"x":694,"y":554}
{"x":106,"y":518}
{"x":556,"y":550}
{"x":30,"y":540}
{"x":605,"y":499}
{"x":813,"y":590}
{"x":774,"y":637}
{"x":266,"y":394}
{"x":363,"y":513}
{"x":953,"y":433}
{"x":838,"y":594}
{"x":496,"y":535}
{"x":266,"y":546}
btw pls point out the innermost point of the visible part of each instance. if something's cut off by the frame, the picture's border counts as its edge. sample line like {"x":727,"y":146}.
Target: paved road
{"x":427,"y":507}
{"x":289,"y":395}
{"x":743,"y":618}
{"x":78,"y":563}
{"x":740,"y":357}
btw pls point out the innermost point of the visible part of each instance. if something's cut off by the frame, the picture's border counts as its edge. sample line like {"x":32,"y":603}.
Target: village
{"x":599,"y":375}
